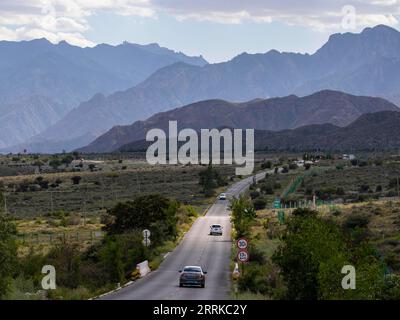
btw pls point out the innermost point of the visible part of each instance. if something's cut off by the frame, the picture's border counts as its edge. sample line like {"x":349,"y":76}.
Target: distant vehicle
{"x":192,"y":276}
{"x":216,"y":229}
{"x":222,"y":196}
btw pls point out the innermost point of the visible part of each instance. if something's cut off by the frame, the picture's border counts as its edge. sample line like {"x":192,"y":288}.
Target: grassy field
{"x":49,"y":207}
{"x":100,"y":189}
{"x":352,"y":183}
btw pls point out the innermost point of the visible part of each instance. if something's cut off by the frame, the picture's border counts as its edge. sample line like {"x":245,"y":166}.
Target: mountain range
{"x":370,"y":132}
{"x":367,"y":63}
{"x":41,"y":82}
{"x":336,"y":108}
{"x":377,"y":131}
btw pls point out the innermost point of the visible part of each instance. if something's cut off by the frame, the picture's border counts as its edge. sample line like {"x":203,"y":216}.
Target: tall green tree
{"x":243,"y":214}
{"x":314,"y":251}
{"x":210,"y":179}
{"x":153,"y":212}
{"x":8,"y":252}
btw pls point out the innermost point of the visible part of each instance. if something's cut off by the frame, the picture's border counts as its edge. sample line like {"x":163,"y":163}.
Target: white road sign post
{"x":146,"y":237}
{"x":242,"y":243}
{"x":243,"y":254}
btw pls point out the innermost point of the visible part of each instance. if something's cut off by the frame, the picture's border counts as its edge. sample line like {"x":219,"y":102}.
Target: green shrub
{"x":356,"y":220}
{"x":259,"y":203}
{"x":254,"y":194}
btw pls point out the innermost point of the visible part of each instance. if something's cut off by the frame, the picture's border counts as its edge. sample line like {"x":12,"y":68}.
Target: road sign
{"x":146,"y":233}
{"x":242,"y":243}
{"x":277,"y":203}
{"x":146,"y":242}
{"x":243,"y":256}
{"x":281,"y":216}
{"x":146,"y":237}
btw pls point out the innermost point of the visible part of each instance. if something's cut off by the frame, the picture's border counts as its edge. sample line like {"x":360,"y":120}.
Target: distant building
{"x":348,"y":157}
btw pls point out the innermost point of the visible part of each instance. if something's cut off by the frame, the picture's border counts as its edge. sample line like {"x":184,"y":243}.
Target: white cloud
{"x":316,"y":14}
{"x":68,"y":19}
{"x":59,"y":20}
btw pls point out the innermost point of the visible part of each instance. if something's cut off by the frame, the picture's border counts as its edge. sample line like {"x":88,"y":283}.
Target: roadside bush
{"x":73,"y":220}
{"x":8,"y":252}
{"x":391,"y":288}
{"x":266,"y":165}
{"x":254,"y":279}
{"x":66,"y":259}
{"x":23,"y":186}
{"x":256,"y":255}
{"x":340,"y":191}
{"x":277,"y":185}
{"x":254,"y":194}
{"x":243,"y":214}
{"x":267,"y":189}
{"x":259,"y":204}
{"x":356,"y":220}
{"x":76,"y":179}
{"x":154,"y":212}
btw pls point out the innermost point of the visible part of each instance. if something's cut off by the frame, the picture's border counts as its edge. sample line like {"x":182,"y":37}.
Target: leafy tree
{"x":153,"y":212}
{"x":66,"y":259}
{"x":76,"y":179}
{"x":308,"y":244}
{"x":111,"y":256}
{"x":313,"y":253}
{"x":67,"y":160}
{"x":266,"y":165}
{"x":243,"y":214}
{"x":210,"y":179}
{"x":259,"y":203}
{"x":39,"y":164}
{"x":8,"y":251}
{"x":55,"y":163}
{"x":254,"y":194}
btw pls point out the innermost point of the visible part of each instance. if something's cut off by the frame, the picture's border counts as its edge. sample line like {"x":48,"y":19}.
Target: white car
{"x":222,"y":196}
{"x":216,"y":229}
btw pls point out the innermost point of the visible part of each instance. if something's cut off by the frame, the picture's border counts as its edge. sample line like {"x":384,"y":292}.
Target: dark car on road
{"x":192,"y":276}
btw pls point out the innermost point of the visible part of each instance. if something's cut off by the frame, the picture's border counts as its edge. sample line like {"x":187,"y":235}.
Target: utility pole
{"x":84,"y":206}
{"x":5,"y":202}
{"x":51,"y":202}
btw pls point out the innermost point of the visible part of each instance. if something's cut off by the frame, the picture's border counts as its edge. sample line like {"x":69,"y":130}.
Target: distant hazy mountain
{"x":370,"y":132}
{"x":41,"y":82}
{"x":24,"y":119}
{"x":363,"y":64}
{"x":275,"y":114}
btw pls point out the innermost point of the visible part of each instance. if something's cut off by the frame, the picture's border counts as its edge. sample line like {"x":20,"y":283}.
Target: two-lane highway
{"x":212,"y":253}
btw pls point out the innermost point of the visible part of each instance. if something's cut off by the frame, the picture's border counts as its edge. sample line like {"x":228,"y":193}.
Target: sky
{"x":216,"y":29}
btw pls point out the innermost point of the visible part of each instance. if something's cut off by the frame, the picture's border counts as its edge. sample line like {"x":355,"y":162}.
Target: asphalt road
{"x":212,"y":253}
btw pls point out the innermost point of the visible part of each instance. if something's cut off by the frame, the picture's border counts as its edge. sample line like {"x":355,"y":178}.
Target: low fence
{"x":56,"y":238}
